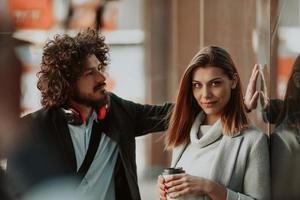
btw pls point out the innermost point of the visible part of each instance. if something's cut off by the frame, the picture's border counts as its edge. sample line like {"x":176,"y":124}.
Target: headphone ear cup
{"x":102,"y":113}
{"x":73,"y":117}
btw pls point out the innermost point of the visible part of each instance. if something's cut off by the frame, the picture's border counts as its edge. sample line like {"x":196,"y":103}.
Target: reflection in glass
{"x":285,"y":114}
{"x":285,"y":141}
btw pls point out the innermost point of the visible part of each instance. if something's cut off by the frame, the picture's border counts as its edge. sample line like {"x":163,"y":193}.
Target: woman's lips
{"x":208,"y":104}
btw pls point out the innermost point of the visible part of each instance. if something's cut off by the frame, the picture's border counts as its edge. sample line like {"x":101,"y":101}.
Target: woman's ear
{"x":234,"y":81}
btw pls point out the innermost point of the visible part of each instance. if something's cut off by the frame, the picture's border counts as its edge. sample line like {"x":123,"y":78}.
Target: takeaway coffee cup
{"x":171,"y":171}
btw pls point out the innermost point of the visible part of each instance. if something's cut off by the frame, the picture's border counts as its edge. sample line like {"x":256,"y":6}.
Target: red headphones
{"x":74,"y":117}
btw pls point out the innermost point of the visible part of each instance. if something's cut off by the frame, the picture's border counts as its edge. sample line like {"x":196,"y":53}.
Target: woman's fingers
{"x":177,"y":183}
{"x":251,"y":90}
{"x":163,"y":195}
{"x":254,"y":99}
{"x":173,"y":177}
{"x":264,"y":84}
{"x":255,"y":68}
{"x":187,"y":185}
{"x":264,"y":100}
{"x":161,"y":188}
{"x":255,"y":71}
{"x":252,"y":82}
{"x":177,"y":187}
{"x":160,"y":182}
{"x":185,"y":191}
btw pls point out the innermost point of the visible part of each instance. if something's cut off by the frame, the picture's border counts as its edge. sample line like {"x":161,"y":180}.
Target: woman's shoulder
{"x":252,"y":134}
{"x":252,"y":139}
{"x":287,"y":136}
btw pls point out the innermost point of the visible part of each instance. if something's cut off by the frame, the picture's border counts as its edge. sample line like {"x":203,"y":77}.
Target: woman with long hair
{"x":285,"y":142}
{"x":224,"y":157}
{"x":290,"y":112}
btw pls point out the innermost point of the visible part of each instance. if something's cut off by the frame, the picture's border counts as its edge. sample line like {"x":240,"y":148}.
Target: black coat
{"x":48,"y":151}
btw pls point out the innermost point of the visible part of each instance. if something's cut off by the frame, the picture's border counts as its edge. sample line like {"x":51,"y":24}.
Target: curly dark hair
{"x":62,"y":64}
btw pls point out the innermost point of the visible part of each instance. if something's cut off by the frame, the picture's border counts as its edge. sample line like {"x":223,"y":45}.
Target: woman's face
{"x":296,"y":79}
{"x":212,"y":90}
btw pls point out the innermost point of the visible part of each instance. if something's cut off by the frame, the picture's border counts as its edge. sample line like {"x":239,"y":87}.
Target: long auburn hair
{"x":233,"y":118}
{"x":62,"y":64}
{"x":291,"y":108}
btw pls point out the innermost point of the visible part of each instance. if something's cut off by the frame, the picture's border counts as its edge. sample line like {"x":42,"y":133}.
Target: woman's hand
{"x":251,"y":95}
{"x":161,"y":188}
{"x":184,"y":184}
{"x":264,"y":99}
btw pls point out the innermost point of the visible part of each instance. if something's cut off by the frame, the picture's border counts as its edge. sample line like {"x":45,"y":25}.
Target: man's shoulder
{"x":35,"y":114}
{"x":116,"y":98}
{"x":40,"y":115}
{"x":117,"y":101}
{"x":41,"y":122}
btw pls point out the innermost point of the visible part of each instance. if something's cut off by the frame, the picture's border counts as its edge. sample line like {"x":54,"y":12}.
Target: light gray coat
{"x":241,"y":165}
{"x":285,"y":160}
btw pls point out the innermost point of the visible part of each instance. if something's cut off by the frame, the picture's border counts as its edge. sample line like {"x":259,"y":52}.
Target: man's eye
{"x":101,"y":68}
{"x":87,"y":73}
{"x":215,"y":83}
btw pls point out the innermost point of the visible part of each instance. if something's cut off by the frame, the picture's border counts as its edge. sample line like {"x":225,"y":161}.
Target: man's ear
{"x":234,"y":81}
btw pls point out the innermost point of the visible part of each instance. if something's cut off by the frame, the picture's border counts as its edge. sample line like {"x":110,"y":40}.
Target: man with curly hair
{"x":83,"y":130}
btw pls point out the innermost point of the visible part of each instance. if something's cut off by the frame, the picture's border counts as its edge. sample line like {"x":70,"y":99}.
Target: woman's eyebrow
{"x":214,"y":79}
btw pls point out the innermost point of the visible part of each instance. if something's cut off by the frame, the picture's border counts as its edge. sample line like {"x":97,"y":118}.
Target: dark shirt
{"x":48,"y":151}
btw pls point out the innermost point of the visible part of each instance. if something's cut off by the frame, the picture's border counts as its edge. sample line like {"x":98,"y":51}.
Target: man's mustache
{"x":99,"y":86}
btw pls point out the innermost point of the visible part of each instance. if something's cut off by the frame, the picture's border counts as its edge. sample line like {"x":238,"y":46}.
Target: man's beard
{"x":86,"y":100}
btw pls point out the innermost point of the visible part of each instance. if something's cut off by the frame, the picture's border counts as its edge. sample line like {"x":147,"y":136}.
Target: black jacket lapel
{"x":62,"y":133}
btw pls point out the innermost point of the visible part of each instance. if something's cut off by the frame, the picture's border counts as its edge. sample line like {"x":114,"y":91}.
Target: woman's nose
{"x":206,"y":93}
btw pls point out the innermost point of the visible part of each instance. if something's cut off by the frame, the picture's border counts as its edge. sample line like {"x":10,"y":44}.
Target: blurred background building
{"x":151,"y":43}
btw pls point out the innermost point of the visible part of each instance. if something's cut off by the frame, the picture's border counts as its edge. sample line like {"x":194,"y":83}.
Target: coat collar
{"x":225,"y":160}
{"x":228,"y":151}
{"x":112,"y":121}
{"x":61,"y":130}
{"x":59,"y":126}
{"x":213,"y":134}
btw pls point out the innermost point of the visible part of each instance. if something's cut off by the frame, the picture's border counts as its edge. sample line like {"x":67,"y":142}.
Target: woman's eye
{"x":196,"y":85}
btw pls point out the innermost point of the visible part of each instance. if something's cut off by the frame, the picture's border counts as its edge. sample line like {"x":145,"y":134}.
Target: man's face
{"x":90,"y":89}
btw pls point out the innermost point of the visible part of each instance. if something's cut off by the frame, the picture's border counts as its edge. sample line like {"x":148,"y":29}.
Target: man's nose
{"x":101,"y":76}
